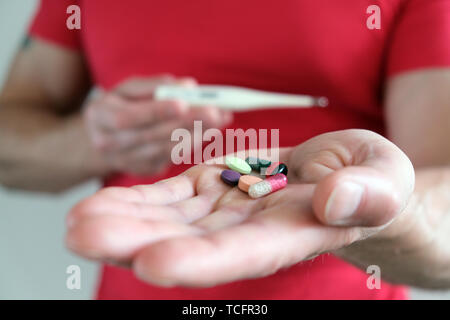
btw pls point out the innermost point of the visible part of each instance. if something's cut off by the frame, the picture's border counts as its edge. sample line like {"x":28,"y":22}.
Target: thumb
{"x":358,"y":196}
{"x":371,"y":185}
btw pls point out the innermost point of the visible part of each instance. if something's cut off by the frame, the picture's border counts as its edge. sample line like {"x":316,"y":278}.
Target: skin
{"x":220,"y":224}
{"x":193,"y":230}
{"x":76,"y":138}
{"x":185,"y":230}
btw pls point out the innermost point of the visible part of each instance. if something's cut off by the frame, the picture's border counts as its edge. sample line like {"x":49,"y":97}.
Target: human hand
{"x":132,"y":132}
{"x":193,"y":230}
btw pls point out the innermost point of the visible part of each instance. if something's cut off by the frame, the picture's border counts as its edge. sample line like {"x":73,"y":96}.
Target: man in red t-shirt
{"x":393,"y":80}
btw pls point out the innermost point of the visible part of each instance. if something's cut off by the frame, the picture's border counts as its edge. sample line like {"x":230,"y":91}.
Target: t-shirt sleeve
{"x":421,"y":38}
{"x":49,"y":23}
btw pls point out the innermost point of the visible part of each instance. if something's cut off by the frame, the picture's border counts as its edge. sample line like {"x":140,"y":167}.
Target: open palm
{"x":194,"y":230}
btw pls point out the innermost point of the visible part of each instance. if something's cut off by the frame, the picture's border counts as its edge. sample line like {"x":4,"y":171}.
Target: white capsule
{"x":271,"y":184}
{"x":259,"y":189}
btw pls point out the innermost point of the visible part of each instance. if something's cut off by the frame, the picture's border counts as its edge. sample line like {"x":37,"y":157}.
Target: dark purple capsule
{"x":230,"y":177}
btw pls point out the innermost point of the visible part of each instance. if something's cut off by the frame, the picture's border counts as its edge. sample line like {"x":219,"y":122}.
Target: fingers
{"x":131,"y":132}
{"x":211,"y":116}
{"x":167,"y":252}
{"x":169,"y":191}
{"x":116,"y":222}
{"x":234,"y":207}
{"x":159,"y":133}
{"x":138,"y":139}
{"x":360,"y":196}
{"x":363,"y":179}
{"x":144,"y":88}
{"x":274,"y":238}
{"x":118,"y":238}
{"x":127,"y":139}
{"x":141,"y":202}
{"x":227,"y":255}
{"x":181,"y":198}
{"x":104,"y":205}
{"x":199,"y":180}
{"x":115,"y":113}
{"x":131,"y":104}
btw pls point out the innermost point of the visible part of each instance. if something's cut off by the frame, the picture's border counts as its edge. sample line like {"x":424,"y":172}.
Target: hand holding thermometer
{"x":236,"y":98}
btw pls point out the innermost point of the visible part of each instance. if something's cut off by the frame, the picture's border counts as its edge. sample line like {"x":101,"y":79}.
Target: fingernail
{"x":343,"y":202}
{"x":188,"y":82}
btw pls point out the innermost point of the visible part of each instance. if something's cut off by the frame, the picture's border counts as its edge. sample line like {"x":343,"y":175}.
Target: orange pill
{"x":246,"y":181}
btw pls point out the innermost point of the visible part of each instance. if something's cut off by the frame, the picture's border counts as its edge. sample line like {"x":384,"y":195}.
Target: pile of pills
{"x":239,"y":174}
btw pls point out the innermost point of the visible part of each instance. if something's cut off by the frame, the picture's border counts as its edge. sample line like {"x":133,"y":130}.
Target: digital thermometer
{"x":236,"y":98}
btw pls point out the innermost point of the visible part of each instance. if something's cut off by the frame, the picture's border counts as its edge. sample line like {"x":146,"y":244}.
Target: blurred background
{"x":33,"y":259}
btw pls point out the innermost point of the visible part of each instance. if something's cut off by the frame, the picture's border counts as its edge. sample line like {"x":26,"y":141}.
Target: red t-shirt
{"x":294,"y":46}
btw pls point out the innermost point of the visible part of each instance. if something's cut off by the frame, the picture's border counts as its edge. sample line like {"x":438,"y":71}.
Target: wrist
{"x":93,"y":161}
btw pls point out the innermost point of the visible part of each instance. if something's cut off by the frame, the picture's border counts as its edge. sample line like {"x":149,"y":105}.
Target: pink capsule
{"x":269,"y":185}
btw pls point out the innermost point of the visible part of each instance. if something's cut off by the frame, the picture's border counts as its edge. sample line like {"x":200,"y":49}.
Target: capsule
{"x":269,"y":185}
{"x":274,"y":168}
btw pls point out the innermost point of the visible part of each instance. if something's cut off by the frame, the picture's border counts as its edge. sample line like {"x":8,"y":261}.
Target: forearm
{"x":415,"y":248}
{"x":43,"y":151}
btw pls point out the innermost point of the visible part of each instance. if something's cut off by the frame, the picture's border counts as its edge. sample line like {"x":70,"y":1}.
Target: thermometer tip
{"x":322,"y":102}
